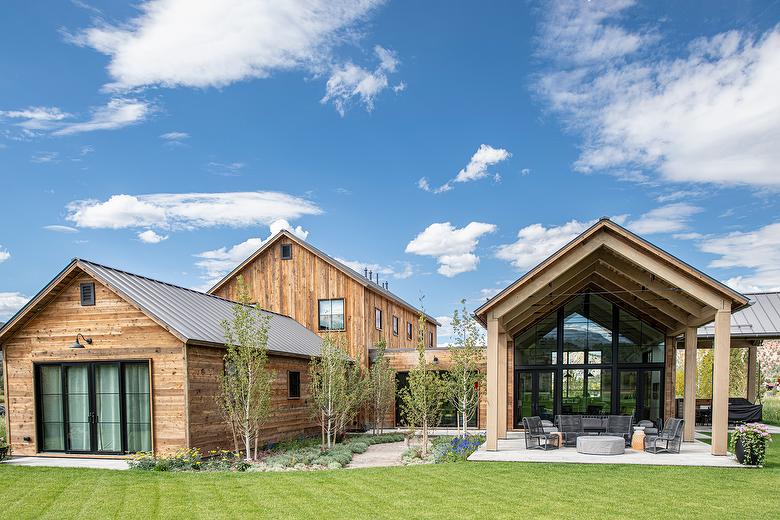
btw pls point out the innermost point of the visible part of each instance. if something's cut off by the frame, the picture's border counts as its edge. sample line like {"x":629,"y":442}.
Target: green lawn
{"x":771,"y":413}
{"x":465,"y":490}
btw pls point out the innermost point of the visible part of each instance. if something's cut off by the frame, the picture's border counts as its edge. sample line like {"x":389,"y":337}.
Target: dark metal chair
{"x":669,"y":440}
{"x":571,"y":427}
{"x":620,"y":426}
{"x":536,"y":437}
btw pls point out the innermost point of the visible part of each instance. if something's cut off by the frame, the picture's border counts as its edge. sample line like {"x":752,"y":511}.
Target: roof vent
{"x":87,"y":293}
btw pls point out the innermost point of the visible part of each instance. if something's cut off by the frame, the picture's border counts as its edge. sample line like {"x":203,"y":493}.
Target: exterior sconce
{"x":77,"y":344}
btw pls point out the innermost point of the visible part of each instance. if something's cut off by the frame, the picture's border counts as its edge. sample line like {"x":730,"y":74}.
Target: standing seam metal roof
{"x":761,"y":319}
{"x":198,"y":316}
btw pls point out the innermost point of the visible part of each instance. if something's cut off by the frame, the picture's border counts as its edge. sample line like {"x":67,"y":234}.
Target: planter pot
{"x":739,"y":451}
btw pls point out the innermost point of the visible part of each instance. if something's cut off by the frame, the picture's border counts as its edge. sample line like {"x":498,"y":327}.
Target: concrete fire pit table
{"x":601,"y":445}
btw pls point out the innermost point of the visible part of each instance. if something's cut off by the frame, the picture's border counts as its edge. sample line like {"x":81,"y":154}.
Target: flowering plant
{"x":753,"y":437}
{"x":458,"y":448}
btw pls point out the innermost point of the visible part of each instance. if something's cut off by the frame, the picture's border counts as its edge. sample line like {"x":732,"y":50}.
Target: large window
{"x":638,"y":342}
{"x":538,"y":345}
{"x":331,"y":314}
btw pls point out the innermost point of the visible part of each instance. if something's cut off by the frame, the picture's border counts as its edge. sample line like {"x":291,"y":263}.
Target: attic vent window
{"x":286,"y":251}
{"x":87,"y":292}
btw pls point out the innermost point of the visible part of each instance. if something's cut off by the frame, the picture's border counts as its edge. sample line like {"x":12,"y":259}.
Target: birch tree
{"x":245,"y":397}
{"x":422,"y":400}
{"x":381,"y":387}
{"x":338,"y":388}
{"x":464,"y":378}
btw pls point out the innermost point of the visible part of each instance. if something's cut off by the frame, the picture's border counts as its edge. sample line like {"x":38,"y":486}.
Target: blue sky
{"x":451,"y":146}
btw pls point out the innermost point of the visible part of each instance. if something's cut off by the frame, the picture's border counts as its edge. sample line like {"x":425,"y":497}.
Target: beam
{"x":752,"y":376}
{"x":492,"y":383}
{"x":549,"y":307}
{"x":502,"y":381}
{"x":614,"y":291}
{"x":689,"y":395}
{"x":720,"y":379}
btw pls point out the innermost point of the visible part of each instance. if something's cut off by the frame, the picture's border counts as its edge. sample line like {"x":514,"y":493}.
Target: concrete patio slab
{"x":691,"y":454}
{"x":67,"y":462}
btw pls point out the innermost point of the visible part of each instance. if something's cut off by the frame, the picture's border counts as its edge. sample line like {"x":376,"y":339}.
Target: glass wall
{"x":586,"y":345}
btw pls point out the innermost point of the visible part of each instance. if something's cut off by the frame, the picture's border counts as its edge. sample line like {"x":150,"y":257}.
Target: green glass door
{"x":534,"y":395}
{"x":107,"y":418}
{"x":78,"y":426}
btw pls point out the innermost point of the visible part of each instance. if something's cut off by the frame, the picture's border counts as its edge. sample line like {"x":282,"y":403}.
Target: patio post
{"x":720,"y":379}
{"x":752,"y":382}
{"x":689,"y":395}
{"x":492,"y":383}
{"x":502,"y":385}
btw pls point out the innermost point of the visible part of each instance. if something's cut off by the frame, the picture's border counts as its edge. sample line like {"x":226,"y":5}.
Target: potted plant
{"x":748,"y":443}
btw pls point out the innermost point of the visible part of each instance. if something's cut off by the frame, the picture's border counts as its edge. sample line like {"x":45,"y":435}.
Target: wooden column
{"x":689,"y":398}
{"x":502,"y":378}
{"x":720,"y":380}
{"x":670,"y":378}
{"x":752,"y":382}
{"x":492,"y":384}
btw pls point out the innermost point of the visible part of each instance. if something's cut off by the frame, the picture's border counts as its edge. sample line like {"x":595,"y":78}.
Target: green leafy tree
{"x":381,"y":387}
{"x":464,"y":378}
{"x":339,"y":389}
{"x":245,"y":397}
{"x":424,"y":397}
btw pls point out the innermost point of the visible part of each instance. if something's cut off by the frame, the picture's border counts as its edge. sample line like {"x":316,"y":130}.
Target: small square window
{"x":378,"y":318}
{"x":87,"y":293}
{"x":286,"y":251}
{"x":294,"y":385}
{"x":331,"y":314}
{"x":395,"y":325}
{"x":408,"y":330}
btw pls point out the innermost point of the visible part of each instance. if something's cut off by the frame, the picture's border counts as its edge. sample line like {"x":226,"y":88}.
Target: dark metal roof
{"x":759,"y":320}
{"x":195,"y":316}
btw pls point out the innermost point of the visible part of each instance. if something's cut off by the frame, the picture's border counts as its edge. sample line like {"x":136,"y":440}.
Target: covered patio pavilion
{"x":593,"y":330}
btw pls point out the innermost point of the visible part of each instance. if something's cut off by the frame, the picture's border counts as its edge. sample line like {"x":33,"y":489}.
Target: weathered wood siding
{"x":119,"y":332}
{"x":289,"y":417}
{"x":293,"y":287}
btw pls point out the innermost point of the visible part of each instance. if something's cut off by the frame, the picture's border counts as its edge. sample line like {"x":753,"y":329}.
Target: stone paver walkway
{"x":379,"y":455}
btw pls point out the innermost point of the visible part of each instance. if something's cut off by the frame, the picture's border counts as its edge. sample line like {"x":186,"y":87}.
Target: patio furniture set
{"x":603,"y":435}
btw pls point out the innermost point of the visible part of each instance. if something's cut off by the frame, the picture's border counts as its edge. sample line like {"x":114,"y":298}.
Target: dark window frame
{"x":378,"y":318}
{"x":430,"y":339}
{"x":395,"y":325}
{"x":409,"y":331}
{"x":281,"y":251}
{"x":89,"y":302}
{"x":343,"y":314}
{"x":291,"y":386}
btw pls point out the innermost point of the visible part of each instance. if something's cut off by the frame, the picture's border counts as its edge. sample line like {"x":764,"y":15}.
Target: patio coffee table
{"x":601,"y":445}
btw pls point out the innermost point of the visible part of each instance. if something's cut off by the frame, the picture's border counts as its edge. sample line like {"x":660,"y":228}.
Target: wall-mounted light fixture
{"x":77,"y":344}
{"x":435,"y":359}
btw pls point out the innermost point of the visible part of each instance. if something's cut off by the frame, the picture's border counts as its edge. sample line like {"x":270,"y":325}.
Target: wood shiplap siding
{"x":293,"y":287}
{"x":289,"y":417}
{"x":119,"y":332}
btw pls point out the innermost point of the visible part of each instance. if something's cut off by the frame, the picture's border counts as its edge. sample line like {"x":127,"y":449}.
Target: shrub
{"x":189,"y":460}
{"x":456,"y":449}
{"x":753,"y":437}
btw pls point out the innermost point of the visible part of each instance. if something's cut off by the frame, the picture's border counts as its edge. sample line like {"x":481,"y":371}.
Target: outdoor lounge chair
{"x":571,"y":426}
{"x":536,"y":437}
{"x":669,"y":440}
{"x":620,"y":426}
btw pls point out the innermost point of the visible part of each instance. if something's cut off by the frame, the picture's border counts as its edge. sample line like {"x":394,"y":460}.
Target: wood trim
{"x":184,"y":349}
{"x":7,"y":416}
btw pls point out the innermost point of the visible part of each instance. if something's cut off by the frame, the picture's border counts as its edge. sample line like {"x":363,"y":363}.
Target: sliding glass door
{"x":100,"y":407}
{"x":641,"y":393}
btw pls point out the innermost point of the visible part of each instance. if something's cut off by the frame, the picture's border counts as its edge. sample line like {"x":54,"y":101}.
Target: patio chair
{"x":620,"y":426}
{"x":536,"y":437}
{"x":571,"y":427}
{"x":669,"y":440}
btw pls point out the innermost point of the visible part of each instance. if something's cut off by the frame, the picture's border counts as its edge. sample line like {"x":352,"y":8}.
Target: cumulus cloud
{"x":452,"y":247}
{"x":4,"y":254}
{"x":756,"y":251}
{"x":150,"y":237}
{"x":665,"y":219}
{"x":188,"y":210}
{"x":349,"y":82}
{"x":216,"y":263}
{"x":213,"y":44}
{"x":10,"y":303}
{"x":536,"y":242}
{"x":476,"y":169}
{"x":710,"y":115}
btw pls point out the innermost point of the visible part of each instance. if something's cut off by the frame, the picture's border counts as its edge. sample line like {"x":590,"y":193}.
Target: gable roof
{"x":192,"y":316}
{"x":605,"y":224}
{"x":359,"y":278}
{"x":760,"y":320}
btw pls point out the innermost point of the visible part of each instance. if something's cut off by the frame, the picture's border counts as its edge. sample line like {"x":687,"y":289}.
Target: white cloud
{"x":535,"y":243}
{"x":45,"y":157}
{"x":756,"y":251}
{"x":35,"y":118}
{"x":117,"y":113}
{"x":476,"y":169}
{"x":225,"y":169}
{"x":708,"y":115}
{"x":150,"y":237}
{"x":401,"y":272}
{"x":525,"y":171}
{"x":213,"y":44}
{"x":174,"y":136}
{"x":188,"y":210}
{"x":445,"y":331}
{"x":665,"y":219}
{"x":10,"y":303}
{"x":452,"y":247}
{"x":216,"y":263}
{"x":60,"y":229}
{"x":674,"y":196}
{"x":4,"y":255}
{"x":349,"y":81}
